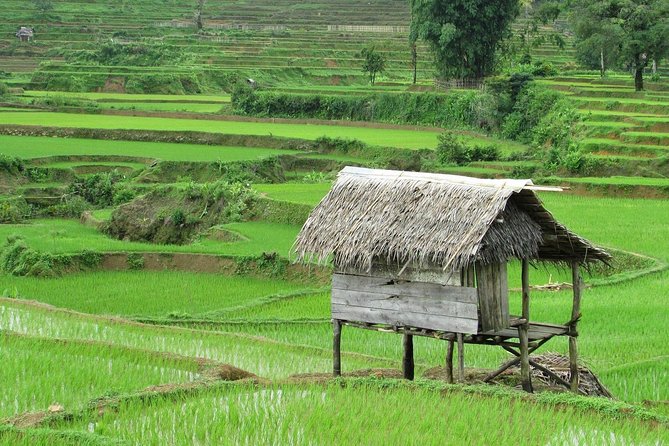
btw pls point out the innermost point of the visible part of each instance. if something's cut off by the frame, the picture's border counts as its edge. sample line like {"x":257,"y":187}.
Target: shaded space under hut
{"x":424,"y":254}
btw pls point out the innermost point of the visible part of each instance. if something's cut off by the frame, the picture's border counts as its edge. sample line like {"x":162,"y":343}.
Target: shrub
{"x":451,"y":150}
{"x":20,"y":260}
{"x":543,"y":69}
{"x":59,"y":101}
{"x":71,"y":206}
{"x":99,"y":189}
{"x":13,"y":210}
{"x":4,"y":90}
{"x":11,"y":164}
{"x":135,"y":261}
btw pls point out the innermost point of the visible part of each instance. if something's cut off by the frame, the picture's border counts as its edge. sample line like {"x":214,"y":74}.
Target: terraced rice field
{"x":28,"y":147}
{"x":411,"y":139}
{"x":139,"y":343}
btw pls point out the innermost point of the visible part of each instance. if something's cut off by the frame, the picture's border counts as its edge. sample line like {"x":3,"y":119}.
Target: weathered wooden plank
{"x":493,"y":296}
{"x":405,"y":288}
{"x":402,"y":318}
{"x":404,"y":303}
{"x":534,"y":333}
{"x":382,"y":268}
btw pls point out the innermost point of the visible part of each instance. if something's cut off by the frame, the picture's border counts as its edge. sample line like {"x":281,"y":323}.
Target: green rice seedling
{"x":301,"y":193}
{"x":368,"y":412}
{"x":38,"y":147}
{"x":256,"y":238}
{"x":38,"y":372}
{"x":262,"y":356}
{"x":147,"y":293}
{"x":133,"y":97}
{"x":412,"y":139}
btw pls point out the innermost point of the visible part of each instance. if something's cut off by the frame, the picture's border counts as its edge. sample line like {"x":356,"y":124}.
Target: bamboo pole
{"x":523,"y":329}
{"x":461,"y":358}
{"x":449,"y":361}
{"x":407,"y":360}
{"x":336,"y":348}
{"x":573,"y":332}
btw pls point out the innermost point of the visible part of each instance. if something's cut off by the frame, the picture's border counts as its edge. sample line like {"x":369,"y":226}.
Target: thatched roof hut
{"x":25,"y":33}
{"x":426,"y":254}
{"x":426,"y":219}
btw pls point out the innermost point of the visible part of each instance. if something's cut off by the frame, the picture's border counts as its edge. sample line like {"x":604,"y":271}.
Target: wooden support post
{"x":525,"y":373}
{"x":336,"y":348}
{"x":449,"y":361}
{"x":573,"y":332}
{"x":461,"y":358}
{"x":407,"y":361}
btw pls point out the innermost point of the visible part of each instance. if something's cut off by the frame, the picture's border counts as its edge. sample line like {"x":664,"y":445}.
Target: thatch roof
{"x":425,"y":219}
{"x":24,"y":31}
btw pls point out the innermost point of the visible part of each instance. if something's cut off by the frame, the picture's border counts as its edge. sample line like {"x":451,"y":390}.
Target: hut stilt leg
{"x":575,"y":315}
{"x":573,"y":364}
{"x":461,"y":358}
{"x":407,"y":361}
{"x":449,"y":361}
{"x":336,"y":348}
{"x":525,"y":373}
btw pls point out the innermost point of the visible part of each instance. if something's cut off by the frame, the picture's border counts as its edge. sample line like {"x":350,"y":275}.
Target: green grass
{"x":300,"y":193}
{"x":367,"y":413}
{"x":37,"y":372}
{"x":384,"y":137}
{"x":624,"y":181}
{"x":147,"y":293}
{"x":162,"y":106}
{"x":75,"y":164}
{"x":38,"y":147}
{"x":102,"y":214}
{"x":131,"y":97}
{"x":69,"y":236}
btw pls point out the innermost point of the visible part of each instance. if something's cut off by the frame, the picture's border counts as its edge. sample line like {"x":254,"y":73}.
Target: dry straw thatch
{"x":426,"y":219}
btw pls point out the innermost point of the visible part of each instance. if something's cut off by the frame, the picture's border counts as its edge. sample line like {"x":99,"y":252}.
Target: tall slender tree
{"x":199,"y":11}
{"x":463,"y":34}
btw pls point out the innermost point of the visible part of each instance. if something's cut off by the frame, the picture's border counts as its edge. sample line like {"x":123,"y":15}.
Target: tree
{"x":374,"y":62}
{"x":199,"y":23}
{"x":637,"y":30}
{"x":463,"y":34}
{"x":413,"y":39}
{"x":43,"y":6}
{"x":531,"y":35}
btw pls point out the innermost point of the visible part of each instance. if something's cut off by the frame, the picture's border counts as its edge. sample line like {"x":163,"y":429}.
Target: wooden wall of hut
{"x":493,"y":296}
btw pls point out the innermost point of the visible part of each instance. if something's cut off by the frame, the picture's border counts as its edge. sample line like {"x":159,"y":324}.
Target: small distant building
{"x":25,"y":34}
{"x":426,"y":254}
{"x":251,"y":83}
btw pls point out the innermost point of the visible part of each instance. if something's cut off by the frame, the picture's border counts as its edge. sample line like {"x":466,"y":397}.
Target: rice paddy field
{"x":218,"y":337}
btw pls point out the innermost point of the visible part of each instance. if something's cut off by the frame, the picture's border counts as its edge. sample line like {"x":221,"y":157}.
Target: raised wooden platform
{"x":538,"y":331}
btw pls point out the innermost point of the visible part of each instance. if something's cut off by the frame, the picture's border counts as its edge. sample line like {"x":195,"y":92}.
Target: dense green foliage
{"x":456,"y":109}
{"x":452,"y":150}
{"x":463,"y":34}
{"x":374,"y":63}
{"x":633,"y":32}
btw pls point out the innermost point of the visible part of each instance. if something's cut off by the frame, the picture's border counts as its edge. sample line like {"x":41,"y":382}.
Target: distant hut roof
{"x":24,"y":31}
{"x":447,"y":220}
